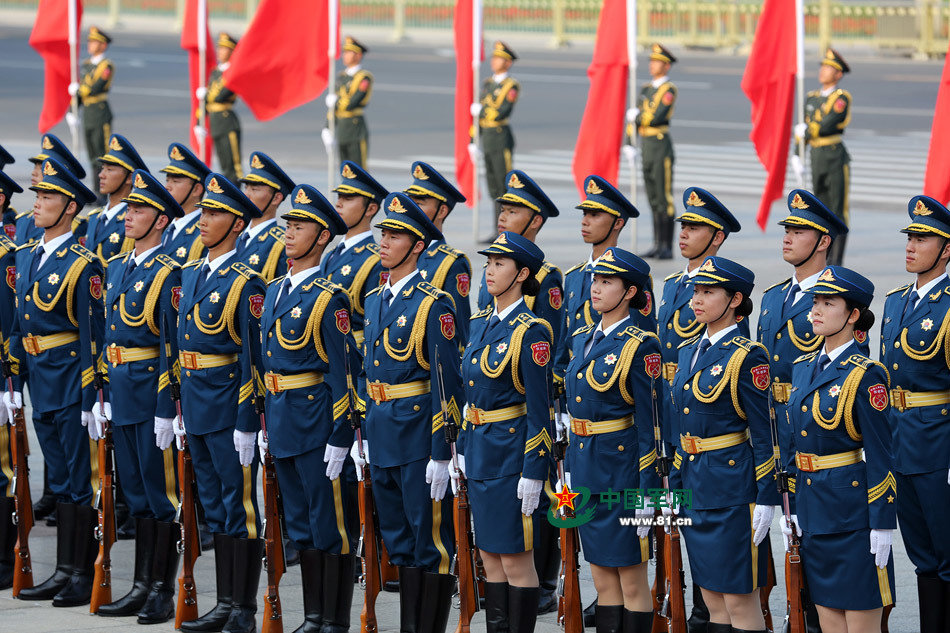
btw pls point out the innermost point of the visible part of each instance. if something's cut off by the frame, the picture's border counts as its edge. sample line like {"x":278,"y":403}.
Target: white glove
{"x":529,"y":491}
{"x":200,"y":132}
{"x":632,"y":114}
{"x":475,"y":109}
{"x":630,"y":153}
{"x":262,"y":444}
{"x":800,"y":129}
{"x":333,"y":457}
{"x":331,"y":101}
{"x":787,"y":529}
{"x":360,"y":462}
{"x":164,"y":433}
{"x":667,"y":511}
{"x":437,"y":476}
{"x":88,"y":420}
{"x":244,"y":445}
{"x":881,"y":546}
{"x":561,"y":424}
{"x":71,"y":119}
{"x":457,"y":474}
{"x":643,"y":531}
{"x":201,"y":92}
{"x":473,"y":152}
{"x":798,"y":168}
{"x":12,"y":404}
{"x":328,"y":140}
{"x":761,"y":521}
{"x":73,"y":89}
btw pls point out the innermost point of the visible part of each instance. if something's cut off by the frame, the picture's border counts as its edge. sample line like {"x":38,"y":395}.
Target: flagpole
{"x":632,"y":87}
{"x":476,"y":69}
{"x":73,"y":71}
{"x":202,"y":39}
{"x":333,"y":45}
{"x":800,"y":76}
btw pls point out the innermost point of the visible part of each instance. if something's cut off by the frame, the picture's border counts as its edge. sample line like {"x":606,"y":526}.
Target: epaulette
{"x":584,"y":330}
{"x":842,"y":91}
{"x":634,"y":332}
{"x":746,"y":344}
{"x":372,"y":246}
{"x":898,"y":289}
{"x":806,"y":357}
{"x":276,"y":280}
{"x":431,"y":290}
{"x":83,"y":252}
{"x":861,"y":361}
{"x":527,"y":319}
{"x":166,"y":261}
{"x":118,"y":256}
{"x":781,"y":283}
{"x":689,"y":341}
{"x":95,"y":211}
{"x":29,"y":244}
{"x":574,"y":267}
{"x":374,"y":290}
{"x":323,"y":284}
{"x":6,"y":242}
{"x":814,"y":93}
{"x":192,"y":262}
{"x":675,"y":276}
{"x":548,"y":267}
{"x":450,"y":250}
{"x":483,"y":313}
{"x":277,"y":232}
{"x":22,"y":214}
{"x":244,"y":270}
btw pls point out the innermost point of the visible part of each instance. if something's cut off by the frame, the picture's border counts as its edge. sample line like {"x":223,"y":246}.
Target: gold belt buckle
{"x":476,"y":416}
{"x":899,"y":399}
{"x":189,"y":360}
{"x":272,"y":381}
{"x":377,"y":391}
{"x":114,"y":354}
{"x":805,"y":462}
{"x":31,"y":345}
{"x":781,"y":391}
{"x":690,"y":444}
{"x":579,"y":427}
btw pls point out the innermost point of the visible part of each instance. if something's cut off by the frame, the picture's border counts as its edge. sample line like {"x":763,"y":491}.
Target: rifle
{"x":673,"y":606}
{"x":658,"y":592}
{"x":23,"y":503}
{"x":794,"y":572}
{"x":465,"y":564}
{"x":368,"y":548}
{"x":570,"y":612}
{"x":105,"y":498}
{"x":274,"y":561}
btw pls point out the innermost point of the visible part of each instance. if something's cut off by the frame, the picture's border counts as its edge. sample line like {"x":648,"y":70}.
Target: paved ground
{"x":411,"y":118}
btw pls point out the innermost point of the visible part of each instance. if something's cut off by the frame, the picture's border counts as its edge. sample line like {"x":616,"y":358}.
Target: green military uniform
{"x":94,"y":97}
{"x":353,"y":93}
{"x":498,"y":99}
{"x":224,"y":123}
{"x":826,"y":117}
{"x":652,"y":124}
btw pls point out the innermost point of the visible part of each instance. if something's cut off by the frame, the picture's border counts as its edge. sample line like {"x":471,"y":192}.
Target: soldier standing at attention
{"x":50,"y":147}
{"x":93,"y":92}
{"x":650,"y":119}
{"x":261,"y":245}
{"x":354,"y":87}
{"x":827,"y":114}
{"x":184,"y":178}
{"x":219,"y":105}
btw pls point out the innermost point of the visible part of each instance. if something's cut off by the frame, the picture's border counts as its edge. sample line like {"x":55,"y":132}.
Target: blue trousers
{"x":71,"y":462}
{"x":6,"y":461}
{"x":146,"y":474}
{"x":923,"y":512}
{"x":314,"y":506}
{"x":227,"y":490}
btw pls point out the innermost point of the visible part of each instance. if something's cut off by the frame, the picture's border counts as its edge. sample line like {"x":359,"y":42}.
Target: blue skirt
{"x":722,"y":557}
{"x":841,"y":574}
{"x":500,"y":528}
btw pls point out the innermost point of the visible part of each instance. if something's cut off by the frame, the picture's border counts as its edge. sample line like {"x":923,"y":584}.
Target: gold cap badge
{"x":827,"y":275}
{"x":501,"y":239}
{"x":420,"y":173}
{"x":798,"y":203}
{"x":694,"y":200}
{"x":114,"y":144}
{"x":921,"y":209}
{"x":140,"y":182}
{"x":48,"y":169}
{"x":47,"y":144}
{"x":592,"y":188}
{"x":256,"y":162}
{"x":515,"y":182}
{"x":396,"y":207}
{"x":347,"y":172}
{"x":214,"y":187}
{"x":707,"y":267}
{"x":176,"y":154}
{"x":302,"y":198}
{"x":608,"y":256}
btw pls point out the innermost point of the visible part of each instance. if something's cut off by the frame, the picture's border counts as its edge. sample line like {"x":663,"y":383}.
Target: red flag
{"x":281,"y":62}
{"x":190,"y":42}
{"x":50,"y":38}
{"x":769,"y":83}
{"x":465,"y":173}
{"x":598,"y":142}
{"x":937,"y":180}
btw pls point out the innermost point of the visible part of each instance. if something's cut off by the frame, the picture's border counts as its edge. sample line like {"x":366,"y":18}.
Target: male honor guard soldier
{"x":524,"y":210}
{"x":184,"y":178}
{"x":261,"y":246}
{"x":8,"y":533}
{"x":650,"y":120}
{"x":354,"y":87}
{"x":105,"y":234}
{"x":354,"y":262}
{"x":306,"y":333}
{"x":411,"y":357}
{"x":915,"y":349}
{"x":219,"y":105}
{"x":493,"y":111}
{"x":59,"y":302}
{"x":218,"y":327}
{"x":827,"y":114}
{"x":50,"y":147}
{"x":93,"y":92}
{"x":444,"y":267}
{"x":142,"y":291}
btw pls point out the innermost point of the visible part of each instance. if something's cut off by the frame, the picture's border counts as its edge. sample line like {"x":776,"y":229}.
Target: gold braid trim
{"x":196,"y":249}
{"x":686,"y":332}
{"x":802,"y":344}
{"x":312,"y":325}
{"x":845,"y":406}
{"x":516,"y":341}
{"x":438,"y":279}
{"x":69,"y":284}
{"x":359,"y":281}
{"x":416,"y":342}
{"x":151,"y":300}
{"x":624,"y":363}
{"x":928,"y":353}
{"x":270,"y":265}
{"x":227,"y":314}
{"x":730,"y":377}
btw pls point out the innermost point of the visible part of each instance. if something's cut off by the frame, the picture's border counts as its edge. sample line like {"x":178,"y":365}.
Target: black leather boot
{"x":410,"y":597}
{"x":637,"y":621}
{"x":608,"y":619}
{"x":437,"y":590}
{"x":160,"y":602}
{"x":522,"y":609}
{"x":715,"y":627}
{"x":65,"y":547}
{"x":337,"y":592}
{"x":78,"y":589}
{"x":7,"y":541}
{"x":547,"y":560}
{"x":946,"y":606}
{"x":496,"y":607}
{"x":311,"y":578}
{"x":247,"y":577}
{"x":735,"y":630}
{"x":589,"y":613}
{"x":224,"y":577}
{"x":699,"y":616}
{"x":132,"y":602}
{"x":930,"y":595}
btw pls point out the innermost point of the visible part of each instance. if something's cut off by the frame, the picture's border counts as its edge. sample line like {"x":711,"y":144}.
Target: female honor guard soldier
{"x":844,"y":503}
{"x":304,"y":325}
{"x":719,"y":396}
{"x":218,"y":326}
{"x":142,"y":290}
{"x":610,"y":382}
{"x":508,"y":435}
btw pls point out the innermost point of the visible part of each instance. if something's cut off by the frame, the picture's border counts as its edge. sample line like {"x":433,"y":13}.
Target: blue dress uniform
{"x":443,"y":266}
{"x":306,"y":333}
{"x":548,"y":304}
{"x":263,"y":248}
{"x":837,"y":412}
{"x":355,"y":266}
{"x":51,"y":147}
{"x":141,"y":298}
{"x":612,"y":446}
{"x":59,"y":303}
{"x":8,"y":533}
{"x":105,"y":236}
{"x":404,"y":422}
{"x":182,"y":239}
{"x":915,"y":349}
{"x":785,"y":330}
{"x":218,"y":327}
{"x":722,"y":404}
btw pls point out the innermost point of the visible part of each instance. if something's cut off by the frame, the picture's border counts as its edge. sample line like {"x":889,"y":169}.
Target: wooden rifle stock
{"x":885,"y":615}
{"x":795,"y":614}
{"x":274,"y":561}
{"x":765,"y":591}
{"x":189,"y":546}
{"x":22,"y":499}
{"x":658,"y":592}
{"x":676,"y":607}
{"x":105,"y":502}
{"x":465,"y":557}
{"x":570,"y":611}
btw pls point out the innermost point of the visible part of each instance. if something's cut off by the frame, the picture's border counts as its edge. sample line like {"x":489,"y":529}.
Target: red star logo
{"x":565,"y":498}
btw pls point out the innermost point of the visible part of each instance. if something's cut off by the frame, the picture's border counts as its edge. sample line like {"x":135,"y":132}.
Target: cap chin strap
{"x":63,"y":212}
{"x":939,"y":256}
{"x":843,"y":326}
{"x":191,"y":190}
{"x":366,"y":203}
{"x":152,"y":225}
{"x":530,"y":220}
{"x":271,"y":201}
{"x":733,"y":296}
{"x":121,"y":184}
{"x":226,"y":233}
{"x":315,"y":240}
{"x":406,"y":256}
{"x":607,"y":234}
{"x":814,"y":249}
{"x":617,"y":305}
{"x":514,"y":279}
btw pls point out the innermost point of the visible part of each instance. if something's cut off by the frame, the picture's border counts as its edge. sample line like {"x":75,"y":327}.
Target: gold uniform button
{"x":578,"y":398}
{"x":804,"y":433}
{"x":775,"y":357}
{"x":115,"y":306}
{"x":804,"y":408}
{"x":581,"y":445}
{"x":808,"y":481}
{"x":188,"y":373}
{"x":377,"y":343}
{"x":270,"y":335}
{"x":620,"y":448}
{"x":27,"y":317}
{"x":778,"y":336}
{"x":511,"y":429}
{"x":686,"y":410}
{"x":187,"y":336}
{"x":897,"y":344}
{"x":28,"y":297}
{"x":415,"y":407}
{"x":72,"y":353}
{"x":669,"y":326}
{"x":474,"y":360}
{"x":896,"y":366}
{"x":732,"y":462}
{"x":943,"y":412}
{"x":398,"y":340}
{"x":854,"y":484}
{"x":669,"y":346}
{"x":113,"y":327}
{"x":151,"y":369}
{"x":376,"y":363}
{"x":310,"y":397}
{"x":188,"y":317}
{"x":685,"y":387}
{"x":580,"y":375}
{"x":269,"y":353}
{"x":471,"y":383}
{"x":692,"y":457}
{"x":231,"y":375}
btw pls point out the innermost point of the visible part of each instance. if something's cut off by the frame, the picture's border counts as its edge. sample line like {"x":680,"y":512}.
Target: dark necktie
{"x":242,"y":242}
{"x":822,"y":364}
{"x":598,"y":337}
{"x":332,"y":257}
{"x":911,"y":304}
{"x":387,"y":297}
{"x":168,"y":236}
{"x":704,"y":345}
{"x":35,"y":264}
{"x":202,"y":275}
{"x":284,"y":299}
{"x":790,"y":300}
{"x":129,"y":269}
